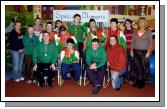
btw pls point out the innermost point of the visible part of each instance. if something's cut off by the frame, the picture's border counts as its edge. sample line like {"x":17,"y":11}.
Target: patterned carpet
{"x":71,"y":89}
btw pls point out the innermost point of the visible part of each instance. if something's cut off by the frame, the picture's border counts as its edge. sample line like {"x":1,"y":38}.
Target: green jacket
{"x":73,"y":59}
{"x":86,"y":28}
{"x":99,"y":56}
{"x":77,"y":31}
{"x":45,"y":53}
{"x":30,"y":44}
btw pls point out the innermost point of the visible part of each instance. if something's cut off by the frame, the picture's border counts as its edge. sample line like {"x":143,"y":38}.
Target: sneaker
{"x":29,"y":81}
{"x":131,"y":82}
{"x":22,"y":78}
{"x":34,"y":81}
{"x":17,"y":80}
{"x":78,"y":82}
{"x":68,"y":75}
{"x":96,"y":89}
{"x":62,"y":81}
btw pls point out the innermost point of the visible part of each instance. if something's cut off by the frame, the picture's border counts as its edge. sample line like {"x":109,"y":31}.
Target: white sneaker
{"x":29,"y":81}
{"x":17,"y":80}
{"x":34,"y":81}
{"x":22,"y":78}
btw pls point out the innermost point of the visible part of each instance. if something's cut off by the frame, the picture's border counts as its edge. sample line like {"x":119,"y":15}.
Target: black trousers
{"x":80,"y":49}
{"x":140,"y":65}
{"x":129,"y":75}
{"x":28,"y":74}
{"x":43,"y":69}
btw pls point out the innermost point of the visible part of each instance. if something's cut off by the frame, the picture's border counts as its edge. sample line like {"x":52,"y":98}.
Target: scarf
{"x":69,"y":52}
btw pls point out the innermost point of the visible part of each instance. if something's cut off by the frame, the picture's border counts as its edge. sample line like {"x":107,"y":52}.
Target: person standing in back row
{"x":30,"y":41}
{"x":140,"y":50}
{"x":17,"y":51}
{"x":77,"y":30}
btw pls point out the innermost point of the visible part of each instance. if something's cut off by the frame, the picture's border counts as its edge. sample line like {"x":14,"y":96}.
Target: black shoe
{"x":141,"y":85}
{"x":50,"y":85}
{"x":41,"y":86}
{"x":117,"y":89}
{"x":135,"y":84}
{"x":96,"y":89}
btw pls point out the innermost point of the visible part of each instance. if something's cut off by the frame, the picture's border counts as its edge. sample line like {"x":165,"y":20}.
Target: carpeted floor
{"x":71,"y":89}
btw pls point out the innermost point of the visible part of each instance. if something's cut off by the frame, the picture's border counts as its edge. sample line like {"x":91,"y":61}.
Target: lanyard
{"x":45,"y":49}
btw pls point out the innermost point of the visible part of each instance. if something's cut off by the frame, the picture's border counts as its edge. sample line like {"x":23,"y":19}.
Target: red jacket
{"x":109,"y":33}
{"x":116,"y":57}
{"x":63,"y":39}
{"x":51,"y":35}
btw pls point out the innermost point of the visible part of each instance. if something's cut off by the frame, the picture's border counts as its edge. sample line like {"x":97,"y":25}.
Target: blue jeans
{"x":17,"y":64}
{"x":75,"y":67}
{"x":117,"y":81}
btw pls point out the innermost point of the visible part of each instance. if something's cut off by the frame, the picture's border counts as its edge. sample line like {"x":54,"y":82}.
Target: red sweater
{"x":128,"y":35}
{"x":116,"y":57}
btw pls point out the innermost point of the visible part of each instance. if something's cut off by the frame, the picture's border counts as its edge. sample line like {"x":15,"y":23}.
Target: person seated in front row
{"x":116,"y":60}
{"x":70,"y":59}
{"x":96,"y":64}
{"x":44,"y":59}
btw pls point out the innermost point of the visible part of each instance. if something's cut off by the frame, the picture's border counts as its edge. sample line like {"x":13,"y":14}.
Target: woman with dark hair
{"x":140,"y":49}
{"x":116,"y":60}
{"x":128,"y":34}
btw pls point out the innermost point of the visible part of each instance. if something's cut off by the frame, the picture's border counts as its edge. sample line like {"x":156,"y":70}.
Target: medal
{"x":45,"y":54}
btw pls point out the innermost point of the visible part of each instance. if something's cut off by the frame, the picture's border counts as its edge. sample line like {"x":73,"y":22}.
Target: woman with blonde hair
{"x":140,"y":51}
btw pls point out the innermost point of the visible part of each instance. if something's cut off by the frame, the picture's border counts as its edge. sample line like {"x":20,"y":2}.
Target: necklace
{"x":140,"y":34}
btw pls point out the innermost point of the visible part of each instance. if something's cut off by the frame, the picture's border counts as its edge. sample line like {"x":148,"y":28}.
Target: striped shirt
{"x":128,"y":34}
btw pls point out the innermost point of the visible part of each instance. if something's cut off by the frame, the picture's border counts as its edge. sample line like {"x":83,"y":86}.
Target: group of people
{"x":124,"y":51}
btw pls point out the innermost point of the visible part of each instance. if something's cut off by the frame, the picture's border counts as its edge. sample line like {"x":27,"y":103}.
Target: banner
{"x":86,"y":15}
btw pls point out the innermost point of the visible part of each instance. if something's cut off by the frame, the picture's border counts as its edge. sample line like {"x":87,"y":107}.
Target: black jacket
{"x":15,"y":40}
